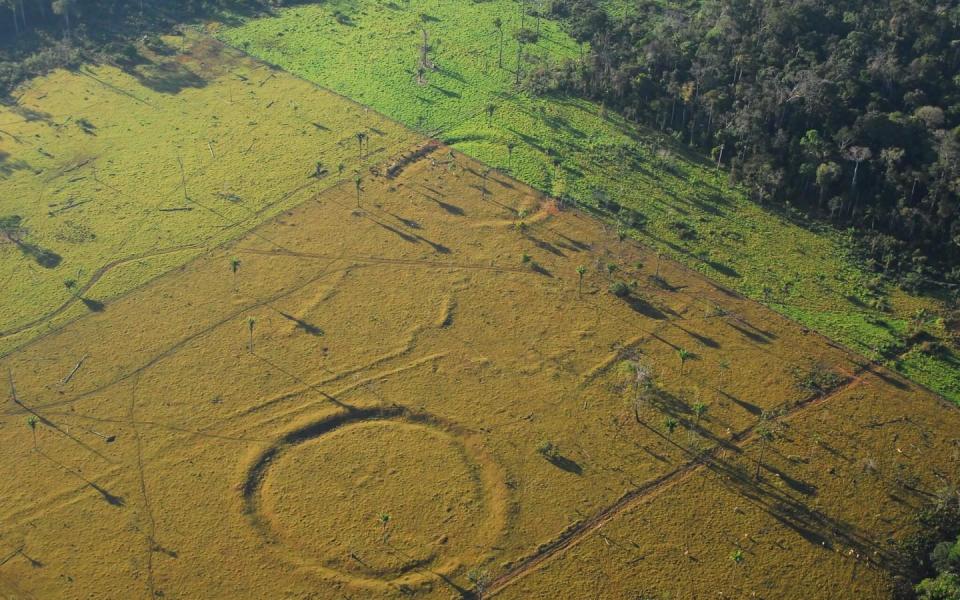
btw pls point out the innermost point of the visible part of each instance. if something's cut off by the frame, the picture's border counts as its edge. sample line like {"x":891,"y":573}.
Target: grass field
{"x":427,"y":401}
{"x":122,"y":174}
{"x":369,"y":52}
{"x":431,"y":380}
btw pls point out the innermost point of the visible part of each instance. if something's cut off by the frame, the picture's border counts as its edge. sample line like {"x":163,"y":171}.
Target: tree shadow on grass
{"x":644,"y":308}
{"x":93,"y":305}
{"x":48,"y":259}
{"x":168,"y":77}
{"x":567,"y":464}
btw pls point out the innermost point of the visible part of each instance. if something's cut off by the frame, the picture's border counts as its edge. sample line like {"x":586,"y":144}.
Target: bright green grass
{"x":91,"y":160}
{"x":805,"y":274}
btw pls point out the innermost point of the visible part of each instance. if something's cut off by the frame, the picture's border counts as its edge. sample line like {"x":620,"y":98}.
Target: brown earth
{"x":377,"y":435}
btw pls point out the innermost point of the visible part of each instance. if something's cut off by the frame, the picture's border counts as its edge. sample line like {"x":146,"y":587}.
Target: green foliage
{"x":817,"y":380}
{"x":619,"y":289}
{"x":548,"y":450}
{"x":626,"y":171}
{"x":737,"y":556}
{"x":946,"y":586}
{"x":670,"y":424}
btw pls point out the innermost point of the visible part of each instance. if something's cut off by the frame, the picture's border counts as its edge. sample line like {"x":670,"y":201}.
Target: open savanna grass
{"x":426,"y":401}
{"x":122,"y":174}
{"x":566,"y":147}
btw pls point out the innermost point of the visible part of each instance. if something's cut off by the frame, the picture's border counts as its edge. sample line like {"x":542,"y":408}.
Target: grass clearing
{"x":388,"y":400}
{"x":678,"y":204}
{"x":91,"y":162}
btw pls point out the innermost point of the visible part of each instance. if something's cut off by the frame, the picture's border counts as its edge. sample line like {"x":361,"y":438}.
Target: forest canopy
{"x":848,"y":110}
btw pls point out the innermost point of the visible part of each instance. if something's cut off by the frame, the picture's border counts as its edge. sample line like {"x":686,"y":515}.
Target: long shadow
{"x":306,"y":327}
{"x":567,"y":464}
{"x":93,"y":305}
{"x":168,"y":77}
{"x":8,"y":166}
{"x":723,"y":269}
{"x":644,"y":308}
{"x":546,"y":246}
{"x":111,"y":499}
{"x":753,"y":409}
{"x":813,"y":525}
{"x":48,"y":259}
{"x":452,"y":209}
{"x":752,"y":336}
{"x":303,"y":382}
{"x":706,"y":341}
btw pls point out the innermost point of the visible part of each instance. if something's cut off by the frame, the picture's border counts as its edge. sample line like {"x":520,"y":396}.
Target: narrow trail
{"x":389,"y":261}
{"x":577,"y":533}
{"x":97,"y":275}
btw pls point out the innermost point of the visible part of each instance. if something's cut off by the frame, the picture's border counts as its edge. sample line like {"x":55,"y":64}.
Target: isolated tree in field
{"x":358,"y":183}
{"x":479,"y":579}
{"x":510,"y":146}
{"x":11,"y":226}
{"x":699,"y":409}
{"x":250,"y":323}
{"x":765,"y":435}
{"x":32,"y":424}
{"x":683,"y":355}
{"x":71,"y":285}
{"x":341,"y":168}
{"x":234,"y":266}
{"x":483,"y":187}
{"x":499,"y":25}
{"x":581,"y":271}
{"x":384,"y":520}
{"x":361,"y":138}
{"x":490,"y":109}
{"x":671,"y":424}
{"x":425,"y":64}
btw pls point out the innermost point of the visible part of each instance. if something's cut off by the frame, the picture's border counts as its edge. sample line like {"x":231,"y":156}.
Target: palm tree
{"x":490,"y":108}
{"x":250,"y":323}
{"x":699,"y":409}
{"x":32,"y":423}
{"x":499,"y":25}
{"x":683,"y":355}
{"x":71,"y":285}
{"x":581,"y":271}
{"x":358,"y":182}
{"x":765,"y":436}
{"x":234,"y":266}
{"x":670,"y":424}
{"x":361,"y":138}
{"x":510,"y":146}
{"x":384,"y":520}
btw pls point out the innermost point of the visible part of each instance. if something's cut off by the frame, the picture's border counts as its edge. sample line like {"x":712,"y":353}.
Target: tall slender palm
{"x":765,"y":436}
{"x":581,"y":271}
{"x":683,"y":355}
{"x":234,"y":266}
{"x":499,"y":25}
{"x":250,"y":323}
{"x":358,"y":182}
{"x":361,"y":138}
{"x":32,"y":423}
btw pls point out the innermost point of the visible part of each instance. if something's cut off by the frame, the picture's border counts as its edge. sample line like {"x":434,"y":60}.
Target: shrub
{"x":619,"y":289}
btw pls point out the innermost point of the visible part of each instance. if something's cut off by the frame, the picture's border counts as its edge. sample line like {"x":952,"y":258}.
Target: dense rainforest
{"x":847,"y":110}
